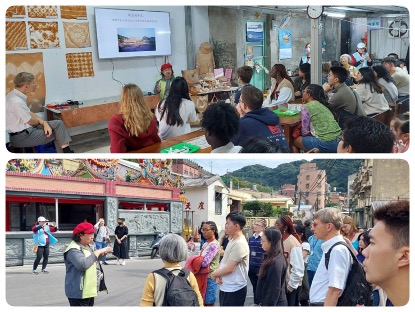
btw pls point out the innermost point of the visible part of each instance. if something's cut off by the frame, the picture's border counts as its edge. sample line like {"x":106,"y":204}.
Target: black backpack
{"x":358,"y":290}
{"x":178,"y":291}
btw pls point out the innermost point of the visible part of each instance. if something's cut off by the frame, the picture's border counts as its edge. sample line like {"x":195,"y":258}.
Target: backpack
{"x":358,"y":290}
{"x":178,"y":291}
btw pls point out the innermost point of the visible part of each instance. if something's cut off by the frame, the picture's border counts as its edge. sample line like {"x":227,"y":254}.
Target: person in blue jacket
{"x":256,"y":121}
{"x":43,"y":238}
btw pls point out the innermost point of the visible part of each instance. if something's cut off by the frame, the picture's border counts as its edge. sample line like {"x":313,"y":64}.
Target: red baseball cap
{"x":84,"y":227}
{"x":165,"y":66}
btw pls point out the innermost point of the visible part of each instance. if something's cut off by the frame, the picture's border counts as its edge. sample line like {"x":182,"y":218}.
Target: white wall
{"x":141,"y":71}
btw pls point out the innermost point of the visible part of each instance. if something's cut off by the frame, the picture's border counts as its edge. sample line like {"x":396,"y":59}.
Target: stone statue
{"x":205,"y":62}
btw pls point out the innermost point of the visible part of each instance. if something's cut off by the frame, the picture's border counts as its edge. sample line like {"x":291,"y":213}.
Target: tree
{"x":254,"y":206}
{"x":267,"y":210}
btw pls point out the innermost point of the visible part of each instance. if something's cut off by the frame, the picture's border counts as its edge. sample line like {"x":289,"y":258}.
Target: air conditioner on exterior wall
{"x":398,"y":29}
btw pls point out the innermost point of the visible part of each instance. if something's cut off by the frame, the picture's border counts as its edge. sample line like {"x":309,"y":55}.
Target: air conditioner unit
{"x":398,"y":29}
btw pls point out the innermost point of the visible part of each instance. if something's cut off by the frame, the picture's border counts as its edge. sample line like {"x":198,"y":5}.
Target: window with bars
{"x":218,"y":203}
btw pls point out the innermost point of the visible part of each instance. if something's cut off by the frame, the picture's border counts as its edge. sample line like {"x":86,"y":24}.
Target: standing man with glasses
{"x":26,"y":129}
{"x":232,"y":274}
{"x":328,"y":284}
{"x":256,"y":255}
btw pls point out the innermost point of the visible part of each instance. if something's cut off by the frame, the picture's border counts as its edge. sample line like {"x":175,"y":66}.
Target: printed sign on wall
{"x":254,"y":31}
{"x":285,"y":43}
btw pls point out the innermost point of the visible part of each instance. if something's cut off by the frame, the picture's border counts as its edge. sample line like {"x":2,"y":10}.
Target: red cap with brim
{"x":165,"y":66}
{"x":84,"y":227}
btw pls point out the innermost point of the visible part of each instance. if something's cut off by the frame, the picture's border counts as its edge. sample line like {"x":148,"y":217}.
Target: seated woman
{"x":302,"y":81}
{"x":282,"y":89}
{"x":319,"y":129}
{"x":370,"y":92}
{"x":390,"y":91}
{"x":176,"y":112}
{"x":346,"y":60}
{"x":221,"y":122}
{"x":135,"y":126}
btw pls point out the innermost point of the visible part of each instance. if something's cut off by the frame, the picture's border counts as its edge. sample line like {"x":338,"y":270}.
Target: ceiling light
{"x":335,"y":14}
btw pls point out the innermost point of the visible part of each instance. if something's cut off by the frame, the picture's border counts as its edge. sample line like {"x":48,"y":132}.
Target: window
{"x":307,"y":186}
{"x":218,"y":203}
{"x":22,"y":212}
{"x":307,"y":177}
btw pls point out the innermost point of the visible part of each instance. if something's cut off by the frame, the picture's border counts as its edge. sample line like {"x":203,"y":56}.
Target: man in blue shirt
{"x":256,"y":255}
{"x":314,"y":257}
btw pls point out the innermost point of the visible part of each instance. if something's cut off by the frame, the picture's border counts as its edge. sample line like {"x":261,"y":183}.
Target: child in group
{"x":400,"y":127}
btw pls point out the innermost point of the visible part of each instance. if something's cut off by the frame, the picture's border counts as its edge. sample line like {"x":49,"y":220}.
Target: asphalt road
{"x":125,"y":284}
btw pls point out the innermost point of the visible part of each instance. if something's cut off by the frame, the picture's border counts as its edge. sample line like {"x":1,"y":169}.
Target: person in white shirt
{"x":232,"y":274}
{"x":282,"y":89}
{"x":221,"y":122}
{"x":328,"y":284}
{"x":26,"y":129}
{"x":175,"y":113}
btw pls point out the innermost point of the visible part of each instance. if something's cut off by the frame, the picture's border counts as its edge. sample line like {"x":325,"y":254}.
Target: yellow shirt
{"x":148,"y":293}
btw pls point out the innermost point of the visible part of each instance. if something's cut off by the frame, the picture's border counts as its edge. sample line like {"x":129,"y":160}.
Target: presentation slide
{"x":131,"y":33}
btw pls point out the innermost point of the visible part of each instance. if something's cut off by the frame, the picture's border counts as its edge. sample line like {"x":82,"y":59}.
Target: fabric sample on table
{"x":42,"y":11}
{"x":43,"y":35}
{"x":76,"y":35}
{"x":31,"y":63}
{"x":16,"y":36}
{"x":79,"y":65}
{"x":73,"y":11}
{"x":16,"y":11}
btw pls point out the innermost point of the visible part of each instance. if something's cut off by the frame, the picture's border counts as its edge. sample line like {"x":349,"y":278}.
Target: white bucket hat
{"x":361,"y":45}
{"x":42,"y":219}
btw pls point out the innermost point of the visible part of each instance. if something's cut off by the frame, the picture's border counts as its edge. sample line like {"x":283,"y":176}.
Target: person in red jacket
{"x":135,"y":126}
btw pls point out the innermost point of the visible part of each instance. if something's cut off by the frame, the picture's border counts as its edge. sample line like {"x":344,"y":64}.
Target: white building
{"x":209,"y":200}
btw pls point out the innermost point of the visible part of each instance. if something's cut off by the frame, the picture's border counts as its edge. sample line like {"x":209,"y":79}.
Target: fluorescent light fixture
{"x":335,"y":14}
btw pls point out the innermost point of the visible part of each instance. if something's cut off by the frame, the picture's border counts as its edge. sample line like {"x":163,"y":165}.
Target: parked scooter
{"x":156,"y":243}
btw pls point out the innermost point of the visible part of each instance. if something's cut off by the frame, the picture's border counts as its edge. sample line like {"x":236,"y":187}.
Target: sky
{"x":221,"y":166}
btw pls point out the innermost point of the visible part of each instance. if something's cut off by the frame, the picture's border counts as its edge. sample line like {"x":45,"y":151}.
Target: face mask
{"x":308,"y":50}
{"x":119,"y":223}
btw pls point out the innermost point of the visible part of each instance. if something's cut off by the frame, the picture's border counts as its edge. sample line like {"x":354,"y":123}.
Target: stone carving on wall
{"x":14,"y":248}
{"x":111,"y":206}
{"x":176,"y":212}
{"x":139,"y":222}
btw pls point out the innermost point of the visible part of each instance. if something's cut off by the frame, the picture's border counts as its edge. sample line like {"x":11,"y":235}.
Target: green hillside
{"x":268,"y":179}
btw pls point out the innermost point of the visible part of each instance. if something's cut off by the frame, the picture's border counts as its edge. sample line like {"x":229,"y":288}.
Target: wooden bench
{"x":384,"y":117}
{"x":88,"y":114}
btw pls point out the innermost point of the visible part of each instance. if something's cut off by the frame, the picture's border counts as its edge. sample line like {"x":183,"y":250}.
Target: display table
{"x":92,"y":111}
{"x":157,"y":147}
{"x":288,"y":124}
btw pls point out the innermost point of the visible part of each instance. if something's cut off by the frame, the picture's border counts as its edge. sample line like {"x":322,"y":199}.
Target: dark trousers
{"x":233,"y":299}
{"x":292,"y":298}
{"x":88,"y":302}
{"x":253,"y":277}
{"x":310,"y":275}
{"x":42,"y":251}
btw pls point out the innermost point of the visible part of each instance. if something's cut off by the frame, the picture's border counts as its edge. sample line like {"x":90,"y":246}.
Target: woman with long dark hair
{"x":271,"y":287}
{"x":282,"y":89}
{"x":319,"y":129}
{"x":370,"y":92}
{"x":294,"y":255}
{"x":364,"y":241}
{"x":176,"y":112}
{"x":390,"y":91}
{"x":210,"y":253}
{"x":302,"y":81}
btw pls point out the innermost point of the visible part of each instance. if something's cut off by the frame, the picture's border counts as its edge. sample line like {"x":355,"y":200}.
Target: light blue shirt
{"x":315,"y":253}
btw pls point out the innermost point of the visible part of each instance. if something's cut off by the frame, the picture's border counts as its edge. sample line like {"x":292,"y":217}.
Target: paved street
{"x":125,"y":284}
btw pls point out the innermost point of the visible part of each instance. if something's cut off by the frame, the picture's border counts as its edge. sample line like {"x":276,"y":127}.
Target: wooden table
{"x":92,"y":111}
{"x":288,"y":124}
{"x":157,"y":147}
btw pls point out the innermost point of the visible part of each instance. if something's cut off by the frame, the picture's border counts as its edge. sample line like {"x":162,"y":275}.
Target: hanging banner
{"x":254,"y":31}
{"x":285,"y":44}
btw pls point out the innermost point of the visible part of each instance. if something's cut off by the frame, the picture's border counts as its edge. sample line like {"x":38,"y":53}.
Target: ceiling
{"x":349,"y":11}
